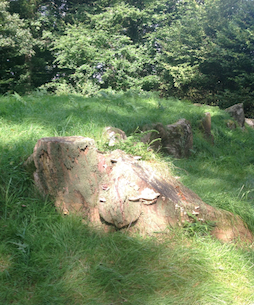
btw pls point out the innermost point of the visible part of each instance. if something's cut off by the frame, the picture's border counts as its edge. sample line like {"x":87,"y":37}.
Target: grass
{"x":49,"y":259}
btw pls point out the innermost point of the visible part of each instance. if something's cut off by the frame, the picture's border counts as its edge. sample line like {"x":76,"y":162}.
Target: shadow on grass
{"x":55,"y":260}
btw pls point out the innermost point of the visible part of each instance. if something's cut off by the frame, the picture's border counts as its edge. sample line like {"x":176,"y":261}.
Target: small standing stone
{"x":175,"y":139}
{"x":237,"y":112}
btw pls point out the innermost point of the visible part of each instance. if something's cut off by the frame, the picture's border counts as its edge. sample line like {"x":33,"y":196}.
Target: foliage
{"x":16,"y":43}
{"x":201,"y":50}
{"x":133,"y":145}
{"x":26,"y":63}
{"x":108,"y":51}
{"x":197,"y":227}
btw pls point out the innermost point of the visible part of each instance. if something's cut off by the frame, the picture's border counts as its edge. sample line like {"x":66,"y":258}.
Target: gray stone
{"x":231,"y":124}
{"x":237,"y":112}
{"x":175,"y":139}
{"x":114,"y":135}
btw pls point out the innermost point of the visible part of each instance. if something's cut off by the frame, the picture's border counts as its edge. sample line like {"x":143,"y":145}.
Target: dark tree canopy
{"x":201,"y":50}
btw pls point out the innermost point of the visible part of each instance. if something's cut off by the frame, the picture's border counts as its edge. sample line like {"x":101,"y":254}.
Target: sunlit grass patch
{"x":145,"y":272}
{"x":5,"y":263}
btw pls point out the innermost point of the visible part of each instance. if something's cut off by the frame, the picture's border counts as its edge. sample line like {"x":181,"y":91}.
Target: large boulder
{"x":175,"y":139}
{"x":115,"y":191}
{"x":237,"y":112}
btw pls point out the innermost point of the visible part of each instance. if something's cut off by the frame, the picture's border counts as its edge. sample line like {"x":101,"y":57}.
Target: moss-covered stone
{"x":175,"y":139}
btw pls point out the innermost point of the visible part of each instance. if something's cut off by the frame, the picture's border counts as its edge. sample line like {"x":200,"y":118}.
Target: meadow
{"x":46,"y":258}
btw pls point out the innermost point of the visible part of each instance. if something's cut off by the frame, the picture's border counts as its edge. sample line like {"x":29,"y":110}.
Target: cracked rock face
{"x":66,"y":169}
{"x":117,"y":209}
{"x":121,"y":203}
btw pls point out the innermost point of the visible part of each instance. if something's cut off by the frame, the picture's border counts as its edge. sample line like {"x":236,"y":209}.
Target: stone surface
{"x":114,"y":135}
{"x":231,"y":124}
{"x":115,"y":191}
{"x":175,"y":139}
{"x":237,"y":112}
{"x":206,"y":126}
{"x":249,"y":122}
{"x":66,"y":169}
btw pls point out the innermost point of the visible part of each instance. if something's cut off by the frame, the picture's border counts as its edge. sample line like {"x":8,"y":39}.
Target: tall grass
{"x":48,"y":259}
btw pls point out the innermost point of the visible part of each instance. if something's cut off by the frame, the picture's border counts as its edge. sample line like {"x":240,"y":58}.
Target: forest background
{"x":199,"y":50}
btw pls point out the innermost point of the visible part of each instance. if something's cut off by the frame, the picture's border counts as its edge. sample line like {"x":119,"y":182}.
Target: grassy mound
{"x":48,"y":259}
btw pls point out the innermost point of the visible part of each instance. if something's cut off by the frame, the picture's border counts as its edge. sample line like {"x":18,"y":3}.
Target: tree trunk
{"x":116,"y":190}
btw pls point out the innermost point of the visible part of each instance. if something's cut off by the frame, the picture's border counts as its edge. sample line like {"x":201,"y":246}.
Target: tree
{"x":208,"y":52}
{"x":17,"y":49}
{"x":25,"y":58}
{"x":229,"y":60}
{"x":114,"y":48}
{"x":202,"y":50}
